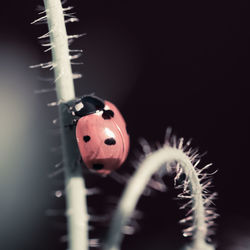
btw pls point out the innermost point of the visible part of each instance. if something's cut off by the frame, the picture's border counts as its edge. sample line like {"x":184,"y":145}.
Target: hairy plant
{"x":75,"y":189}
{"x":179,"y":158}
{"x":173,"y":157}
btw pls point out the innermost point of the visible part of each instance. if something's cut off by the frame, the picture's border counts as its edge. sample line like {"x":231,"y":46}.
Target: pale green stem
{"x":138,"y":183}
{"x":74,"y":183}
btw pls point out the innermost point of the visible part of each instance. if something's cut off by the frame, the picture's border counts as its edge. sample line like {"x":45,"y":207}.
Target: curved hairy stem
{"x":192,"y":187}
{"x":74,"y":183}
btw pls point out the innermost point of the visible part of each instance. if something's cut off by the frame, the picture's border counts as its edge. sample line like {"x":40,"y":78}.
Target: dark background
{"x":163,"y":63}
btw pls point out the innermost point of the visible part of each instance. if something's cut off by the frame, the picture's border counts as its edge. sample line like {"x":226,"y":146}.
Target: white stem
{"x":74,"y":183}
{"x":60,"y":51}
{"x":138,"y":183}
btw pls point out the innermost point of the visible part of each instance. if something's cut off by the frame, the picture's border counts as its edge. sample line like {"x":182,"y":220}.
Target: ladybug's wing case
{"x":100,"y":142}
{"x":121,"y":125}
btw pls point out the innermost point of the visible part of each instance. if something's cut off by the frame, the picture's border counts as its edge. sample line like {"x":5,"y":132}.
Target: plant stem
{"x":74,"y":183}
{"x":137,"y":184}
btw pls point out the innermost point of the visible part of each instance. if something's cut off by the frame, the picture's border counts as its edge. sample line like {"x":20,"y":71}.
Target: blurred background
{"x":163,"y":63}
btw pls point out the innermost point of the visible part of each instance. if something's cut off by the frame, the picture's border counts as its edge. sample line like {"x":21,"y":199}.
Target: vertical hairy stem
{"x":74,"y":183}
{"x":60,"y":52}
{"x":137,"y":184}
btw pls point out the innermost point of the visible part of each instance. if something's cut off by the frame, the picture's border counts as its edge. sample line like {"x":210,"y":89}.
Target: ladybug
{"x":101,"y":134}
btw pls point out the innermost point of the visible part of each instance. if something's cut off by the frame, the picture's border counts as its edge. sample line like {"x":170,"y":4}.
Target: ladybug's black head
{"x":87,"y":105}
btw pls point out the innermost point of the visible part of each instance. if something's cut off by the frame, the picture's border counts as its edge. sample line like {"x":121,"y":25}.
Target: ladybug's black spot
{"x":107,"y":114}
{"x":110,"y":141}
{"x":86,"y":138}
{"x":98,"y":166}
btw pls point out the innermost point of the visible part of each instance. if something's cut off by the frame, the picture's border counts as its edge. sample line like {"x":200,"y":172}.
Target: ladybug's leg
{"x":73,"y":123}
{"x":80,"y":160}
{"x":69,"y":107}
{"x":76,"y":163}
{"x":72,"y":117}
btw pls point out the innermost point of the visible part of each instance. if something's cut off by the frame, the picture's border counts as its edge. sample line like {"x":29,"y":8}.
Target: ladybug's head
{"x":87,"y":105}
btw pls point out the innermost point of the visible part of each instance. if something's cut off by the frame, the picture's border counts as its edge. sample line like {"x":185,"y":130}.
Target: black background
{"x":164,"y":63}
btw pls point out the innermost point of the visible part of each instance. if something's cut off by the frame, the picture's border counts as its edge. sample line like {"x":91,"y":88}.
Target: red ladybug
{"x":101,"y":134}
